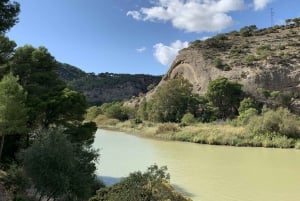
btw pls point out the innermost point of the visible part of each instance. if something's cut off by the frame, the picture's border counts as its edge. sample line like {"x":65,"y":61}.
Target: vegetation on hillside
{"x":106,"y":87}
{"x":249,"y":46}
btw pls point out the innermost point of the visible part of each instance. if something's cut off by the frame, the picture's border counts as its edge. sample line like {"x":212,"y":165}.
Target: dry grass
{"x":202,"y":133}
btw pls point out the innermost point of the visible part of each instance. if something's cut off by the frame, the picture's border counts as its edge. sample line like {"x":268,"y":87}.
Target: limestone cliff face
{"x":191,"y":65}
{"x":268,"y":61}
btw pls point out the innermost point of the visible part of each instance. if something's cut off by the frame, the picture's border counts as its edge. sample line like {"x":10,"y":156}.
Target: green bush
{"x":297,"y":145}
{"x":116,"y":111}
{"x":263,"y":51}
{"x":92,"y":113}
{"x":280,"y":122}
{"x":218,"y":63}
{"x":246,"y":104}
{"x":188,"y":119}
{"x":245,"y":116}
{"x":248,"y":30}
{"x":249,"y":59}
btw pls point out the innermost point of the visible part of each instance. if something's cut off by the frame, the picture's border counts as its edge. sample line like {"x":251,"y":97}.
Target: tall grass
{"x":223,"y":133}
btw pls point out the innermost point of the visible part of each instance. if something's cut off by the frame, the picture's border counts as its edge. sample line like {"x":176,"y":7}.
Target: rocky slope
{"x":106,"y":87}
{"x":266,"y":62}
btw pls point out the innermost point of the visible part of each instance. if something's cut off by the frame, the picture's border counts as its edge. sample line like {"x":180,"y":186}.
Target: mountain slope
{"x":266,"y":62}
{"x":106,"y":87}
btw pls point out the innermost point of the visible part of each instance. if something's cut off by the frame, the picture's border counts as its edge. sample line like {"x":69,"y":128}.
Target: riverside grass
{"x":203,"y":133}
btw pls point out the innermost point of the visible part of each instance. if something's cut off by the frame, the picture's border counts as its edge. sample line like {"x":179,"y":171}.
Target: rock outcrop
{"x":266,"y":63}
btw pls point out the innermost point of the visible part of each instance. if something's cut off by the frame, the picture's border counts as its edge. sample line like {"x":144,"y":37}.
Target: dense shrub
{"x":245,"y":116}
{"x":246,"y":104}
{"x":225,"y":95}
{"x":188,"y":119}
{"x":116,"y":110}
{"x":141,"y":186}
{"x":92,"y":113}
{"x":280,"y":122}
{"x":248,"y":30}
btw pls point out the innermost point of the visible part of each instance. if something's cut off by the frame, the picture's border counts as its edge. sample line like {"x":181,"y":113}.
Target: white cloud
{"x":166,"y":54}
{"x":135,"y":15}
{"x":141,"y":49}
{"x":191,"y":15}
{"x":260,"y":4}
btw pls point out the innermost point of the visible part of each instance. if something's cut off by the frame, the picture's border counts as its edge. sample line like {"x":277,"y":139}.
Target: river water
{"x":205,"y":172}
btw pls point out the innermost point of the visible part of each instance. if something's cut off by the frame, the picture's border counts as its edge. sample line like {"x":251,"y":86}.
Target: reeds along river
{"x":205,"y":172}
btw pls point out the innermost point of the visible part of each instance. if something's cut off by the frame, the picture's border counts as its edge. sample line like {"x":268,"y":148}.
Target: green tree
{"x":65,"y":106}
{"x":116,"y":110}
{"x":205,"y":112}
{"x":8,"y":15}
{"x":246,"y":104}
{"x":13,"y":113}
{"x":7,"y":48}
{"x":49,"y":101}
{"x":288,"y":22}
{"x":59,"y":168}
{"x":225,"y":95}
{"x":248,"y":30}
{"x":188,"y":119}
{"x":171,"y":101}
{"x":36,"y":69}
{"x":296,"y":21}
{"x":151,"y":185}
{"x":92,"y":113}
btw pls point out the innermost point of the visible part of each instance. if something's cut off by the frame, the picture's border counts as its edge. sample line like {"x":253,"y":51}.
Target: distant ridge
{"x":106,"y":87}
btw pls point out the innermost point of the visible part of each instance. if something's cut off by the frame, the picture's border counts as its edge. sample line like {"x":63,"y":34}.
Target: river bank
{"x":203,"y":133}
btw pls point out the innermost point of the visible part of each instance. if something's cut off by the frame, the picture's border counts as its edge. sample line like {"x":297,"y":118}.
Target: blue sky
{"x":135,"y":36}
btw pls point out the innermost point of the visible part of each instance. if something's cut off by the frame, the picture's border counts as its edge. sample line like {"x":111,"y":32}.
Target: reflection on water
{"x":204,"y":172}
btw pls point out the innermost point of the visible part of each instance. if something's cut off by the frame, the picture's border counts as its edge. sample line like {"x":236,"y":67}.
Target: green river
{"x":205,"y":172}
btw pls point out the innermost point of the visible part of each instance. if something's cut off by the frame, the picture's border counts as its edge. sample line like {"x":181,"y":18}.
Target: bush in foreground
{"x":150,"y":185}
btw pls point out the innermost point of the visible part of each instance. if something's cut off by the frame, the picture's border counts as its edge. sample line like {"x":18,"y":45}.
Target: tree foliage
{"x":49,"y":100}
{"x":36,"y":70}
{"x":7,"y":48}
{"x":8,"y":15}
{"x":225,"y":95}
{"x":246,"y":104}
{"x":171,"y":101}
{"x":59,"y":168}
{"x":13,"y":113}
{"x":248,"y":30}
{"x":151,"y":185}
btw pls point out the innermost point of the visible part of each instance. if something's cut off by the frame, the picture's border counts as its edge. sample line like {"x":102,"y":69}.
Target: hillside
{"x":106,"y":87}
{"x":266,"y":62}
